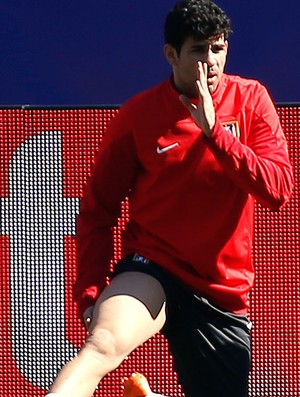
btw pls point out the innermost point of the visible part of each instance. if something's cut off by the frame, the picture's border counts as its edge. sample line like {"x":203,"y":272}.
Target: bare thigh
{"x":131,"y":308}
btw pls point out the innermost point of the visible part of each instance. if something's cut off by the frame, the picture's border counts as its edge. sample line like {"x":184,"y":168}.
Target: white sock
{"x":152,"y":395}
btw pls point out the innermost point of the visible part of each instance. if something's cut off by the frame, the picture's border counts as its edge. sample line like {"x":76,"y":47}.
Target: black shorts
{"x":210,"y":346}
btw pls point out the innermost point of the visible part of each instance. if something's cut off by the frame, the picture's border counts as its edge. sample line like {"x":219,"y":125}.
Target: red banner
{"x":46,"y":155}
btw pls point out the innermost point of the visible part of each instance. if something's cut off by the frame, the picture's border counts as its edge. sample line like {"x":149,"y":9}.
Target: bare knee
{"x":103,"y":347}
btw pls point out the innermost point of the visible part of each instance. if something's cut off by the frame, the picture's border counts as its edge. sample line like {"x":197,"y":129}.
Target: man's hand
{"x":88,"y":317}
{"x":204,"y":113}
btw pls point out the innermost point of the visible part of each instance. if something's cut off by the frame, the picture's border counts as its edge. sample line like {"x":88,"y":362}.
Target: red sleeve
{"x":261,"y":166}
{"x":112,"y":176}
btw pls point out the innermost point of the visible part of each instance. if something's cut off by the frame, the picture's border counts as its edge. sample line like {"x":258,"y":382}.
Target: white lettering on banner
{"x":36,"y":216}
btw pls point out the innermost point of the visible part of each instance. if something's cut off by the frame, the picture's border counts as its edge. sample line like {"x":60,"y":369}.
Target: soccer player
{"x":192,"y":154}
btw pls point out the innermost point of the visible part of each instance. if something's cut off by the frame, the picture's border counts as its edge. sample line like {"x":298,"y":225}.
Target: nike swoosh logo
{"x":165,"y":149}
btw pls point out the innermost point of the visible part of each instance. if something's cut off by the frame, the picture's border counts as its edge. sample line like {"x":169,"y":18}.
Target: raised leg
{"x":129,"y":312}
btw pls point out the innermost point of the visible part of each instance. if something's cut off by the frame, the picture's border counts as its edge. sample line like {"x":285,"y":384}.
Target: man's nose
{"x":210,"y":58}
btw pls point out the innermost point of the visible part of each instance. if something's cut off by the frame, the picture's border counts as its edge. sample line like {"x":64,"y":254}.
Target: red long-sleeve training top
{"x":191,"y":197}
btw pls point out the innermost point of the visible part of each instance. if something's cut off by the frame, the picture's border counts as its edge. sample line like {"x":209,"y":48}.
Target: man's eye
{"x":200,"y":49}
{"x":217,"y":49}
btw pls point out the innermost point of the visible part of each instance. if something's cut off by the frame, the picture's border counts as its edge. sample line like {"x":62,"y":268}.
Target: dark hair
{"x":200,"y":19}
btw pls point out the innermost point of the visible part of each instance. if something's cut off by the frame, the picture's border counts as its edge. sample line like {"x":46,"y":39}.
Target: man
{"x":192,"y":154}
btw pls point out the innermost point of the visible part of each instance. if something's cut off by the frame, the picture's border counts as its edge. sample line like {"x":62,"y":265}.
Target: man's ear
{"x":170,"y":54}
{"x":227,"y":45}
